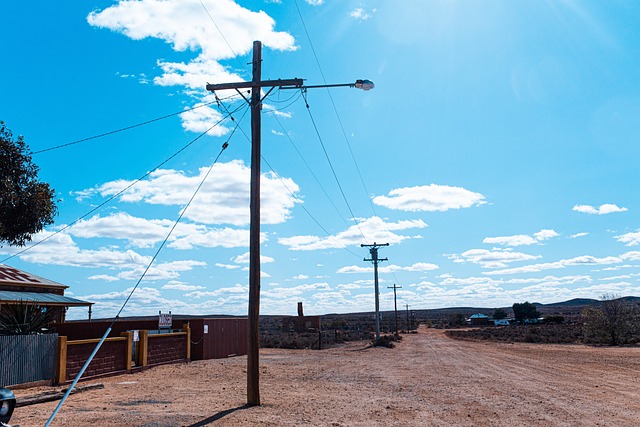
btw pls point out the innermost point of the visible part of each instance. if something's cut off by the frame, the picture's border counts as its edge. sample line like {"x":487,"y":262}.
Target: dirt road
{"x":427,"y":380}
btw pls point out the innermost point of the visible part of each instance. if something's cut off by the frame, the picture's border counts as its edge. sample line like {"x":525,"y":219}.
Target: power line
{"x":291,"y":193}
{"x":117,"y":194}
{"x":311,"y":171}
{"x":86,"y":364}
{"x":122,"y":129}
{"x":235,"y":55}
{"x":335,"y":109}
{"x":353,"y":216}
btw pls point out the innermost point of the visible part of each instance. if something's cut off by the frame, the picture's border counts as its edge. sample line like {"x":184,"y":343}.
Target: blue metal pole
{"x":73,"y":384}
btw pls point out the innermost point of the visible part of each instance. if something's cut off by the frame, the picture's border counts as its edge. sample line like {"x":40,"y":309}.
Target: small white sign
{"x":136,"y":335}
{"x":164,"y":321}
{"x":206,"y":329}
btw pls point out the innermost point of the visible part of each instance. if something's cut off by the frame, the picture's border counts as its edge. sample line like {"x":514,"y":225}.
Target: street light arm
{"x":363,"y":84}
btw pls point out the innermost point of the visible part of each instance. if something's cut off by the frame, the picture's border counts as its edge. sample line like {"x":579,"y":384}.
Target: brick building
{"x":18,"y":286}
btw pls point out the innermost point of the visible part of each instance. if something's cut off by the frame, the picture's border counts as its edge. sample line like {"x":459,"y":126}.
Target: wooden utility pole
{"x":373,"y":250}
{"x":407,"y":305}
{"x":395,"y":302}
{"x":253,"y":368}
{"x":256,"y":84}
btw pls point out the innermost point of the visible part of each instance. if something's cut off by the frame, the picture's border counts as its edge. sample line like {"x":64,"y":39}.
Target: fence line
{"x":27,"y":358}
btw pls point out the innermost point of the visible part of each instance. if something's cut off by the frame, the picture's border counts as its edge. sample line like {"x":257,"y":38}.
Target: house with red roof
{"x":18,"y":286}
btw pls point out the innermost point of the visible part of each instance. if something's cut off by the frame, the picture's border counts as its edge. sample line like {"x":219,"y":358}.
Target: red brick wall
{"x":167,"y":348}
{"x":110,"y":358}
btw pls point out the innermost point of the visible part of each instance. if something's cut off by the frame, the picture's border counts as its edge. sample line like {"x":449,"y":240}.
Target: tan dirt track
{"x":427,"y":380}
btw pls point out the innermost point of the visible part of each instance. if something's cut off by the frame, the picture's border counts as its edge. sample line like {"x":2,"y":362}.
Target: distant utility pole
{"x":395,"y":302}
{"x":256,"y":84}
{"x":373,"y":250}
{"x":407,"y":305}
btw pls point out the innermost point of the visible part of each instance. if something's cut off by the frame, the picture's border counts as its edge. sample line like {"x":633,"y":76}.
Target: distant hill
{"x":573,"y":302}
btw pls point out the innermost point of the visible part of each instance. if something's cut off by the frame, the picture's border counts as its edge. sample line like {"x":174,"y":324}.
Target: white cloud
{"x":545,"y":235}
{"x":315,"y":2}
{"x":186,"y":26}
{"x":236,"y":289}
{"x":630,"y":239}
{"x":516,"y":240}
{"x":202,"y":119}
{"x":491,"y":258}
{"x":60,"y":249}
{"x":270,"y":109}
{"x":228,"y":266}
{"x":182,"y":287}
{"x":104,"y":277}
{"x":429,"y":198}
{"x":602,"y":210}
{"x":360,"y":14}
{"x":222,"y":199}
{"x":577,"y":235}
{"x":577,"y":261}
{"x":375,"y":229}
{"x":419,"y":266}
{"x":244,"y":259}
{"x":285,"y":292}
{"x":141,"y":232}
{"x":521,"y":239}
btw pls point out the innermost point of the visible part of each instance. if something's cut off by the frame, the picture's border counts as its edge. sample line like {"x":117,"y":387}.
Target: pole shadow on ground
{"x":219,"y":415}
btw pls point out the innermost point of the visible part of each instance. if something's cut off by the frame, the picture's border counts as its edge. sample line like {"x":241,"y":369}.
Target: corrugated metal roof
{"x":41,"y":298}
{"x":479,"y":316}
{"x":14,"y":276}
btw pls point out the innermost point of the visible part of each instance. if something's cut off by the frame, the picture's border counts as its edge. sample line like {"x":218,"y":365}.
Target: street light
{"x":256,"y":84}
{"x":363,"y":84}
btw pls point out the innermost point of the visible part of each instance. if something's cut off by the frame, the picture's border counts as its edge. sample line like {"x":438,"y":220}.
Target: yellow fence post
{"x":129,"y":351}
{"x":186,"y":328}
{"x":61,"y":365}
{"x":143,"y":349}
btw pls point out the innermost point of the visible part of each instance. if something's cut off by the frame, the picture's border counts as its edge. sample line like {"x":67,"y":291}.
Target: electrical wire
{"x":335,"y":109}
{"x":392,"y":272}
{"x":353,"y":216}
{"x":122,"y":129}
{"x":115,"y":319}
{"x":273,"y":109}
{"x":119,"y":192}
{"x":310,"y":170}
{"x":175,"y":224}
{"x":294,"y":197}
{"x":296,"y":95}
{"x":235,"y":55}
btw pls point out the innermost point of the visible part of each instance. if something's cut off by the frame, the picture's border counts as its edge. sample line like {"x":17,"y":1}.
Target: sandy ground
{"x":427,"y":380}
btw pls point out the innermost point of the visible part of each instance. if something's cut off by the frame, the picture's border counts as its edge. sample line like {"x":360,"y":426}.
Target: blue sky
{"x":497,"y":154}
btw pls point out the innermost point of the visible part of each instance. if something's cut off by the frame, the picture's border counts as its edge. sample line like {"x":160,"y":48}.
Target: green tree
{"x":499,"y":313}
{"x":457,"y":319}
{"x":614,"y":322}
{"x":524,"y":311}
{"x":26,"y":204}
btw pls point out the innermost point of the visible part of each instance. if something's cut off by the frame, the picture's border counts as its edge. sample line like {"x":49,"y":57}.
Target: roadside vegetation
{"x":610,"y":321}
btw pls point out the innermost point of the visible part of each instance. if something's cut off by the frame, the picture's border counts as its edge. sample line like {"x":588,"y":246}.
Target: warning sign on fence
{"x":164,"y":321}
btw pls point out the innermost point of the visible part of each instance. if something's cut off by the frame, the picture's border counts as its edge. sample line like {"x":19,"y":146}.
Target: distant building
{"x":18,"y":286}
{"x":501,"y":322}
{"x":479,"y":319}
